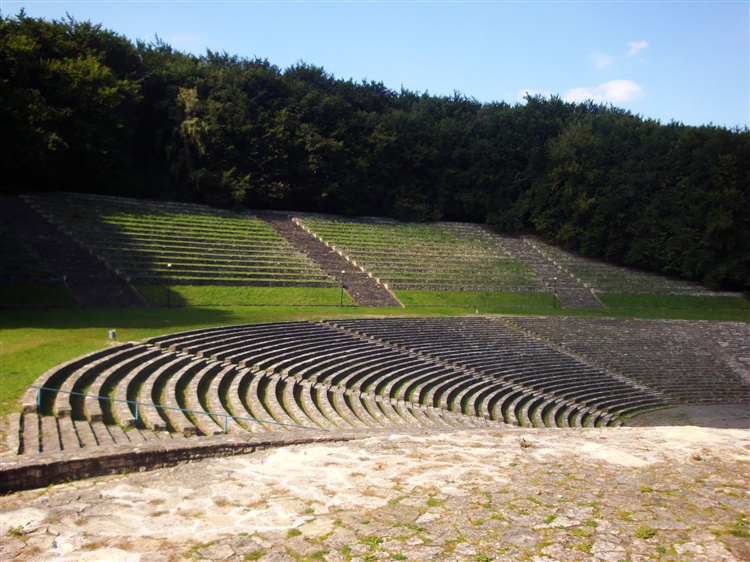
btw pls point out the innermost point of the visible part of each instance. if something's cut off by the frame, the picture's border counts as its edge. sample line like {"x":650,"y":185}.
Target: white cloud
{"x":635,"y":47}
{"x":602,"y":60}
{"x":614,"y":91}
{"x":187,"y":43}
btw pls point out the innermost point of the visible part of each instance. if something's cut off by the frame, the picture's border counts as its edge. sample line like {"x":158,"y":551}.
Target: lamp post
{"x":169,"y":270}
{"x":554,"y":292}
{"x":341,"y":300}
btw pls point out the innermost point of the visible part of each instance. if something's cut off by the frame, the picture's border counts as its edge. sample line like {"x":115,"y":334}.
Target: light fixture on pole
{"x":341,"y":300}
{"x":554,"y":292}
{"x":169,"y":268}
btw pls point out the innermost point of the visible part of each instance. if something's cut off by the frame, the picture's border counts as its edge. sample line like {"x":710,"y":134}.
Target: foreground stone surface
{"x":629,"y":493}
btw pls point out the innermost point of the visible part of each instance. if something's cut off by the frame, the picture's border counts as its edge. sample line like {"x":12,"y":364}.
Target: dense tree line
{"x":84,"y":109}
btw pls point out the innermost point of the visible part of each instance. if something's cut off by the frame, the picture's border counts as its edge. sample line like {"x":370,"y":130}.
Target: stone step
{"x":570,"y":292}
{"x":363,"y":289}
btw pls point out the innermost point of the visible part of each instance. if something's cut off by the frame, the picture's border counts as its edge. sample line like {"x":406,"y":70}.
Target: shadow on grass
{"x":138,"y":318}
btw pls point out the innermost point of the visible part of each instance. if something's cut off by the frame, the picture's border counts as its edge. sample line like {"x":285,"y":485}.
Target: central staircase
{"x":363,"y":289}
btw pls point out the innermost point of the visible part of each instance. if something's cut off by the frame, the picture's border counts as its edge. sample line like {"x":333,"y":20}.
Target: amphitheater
{"x":474,"y":436}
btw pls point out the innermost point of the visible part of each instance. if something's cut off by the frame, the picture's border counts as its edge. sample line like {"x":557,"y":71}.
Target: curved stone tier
{"x":363,"y":374}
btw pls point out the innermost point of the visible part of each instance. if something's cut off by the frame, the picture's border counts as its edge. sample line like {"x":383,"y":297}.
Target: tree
{"x":68,"y":91}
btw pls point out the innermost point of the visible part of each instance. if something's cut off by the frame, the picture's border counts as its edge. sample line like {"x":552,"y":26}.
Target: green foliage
{"x":84,"y":109}
{"x":645,"y":532}
{"x":70,"y":92}
{"x":16,"y":531}
{"x":371,"y":540}
{"x":740,"y":528}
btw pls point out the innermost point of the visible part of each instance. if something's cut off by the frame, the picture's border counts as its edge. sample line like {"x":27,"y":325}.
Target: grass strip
{"x":35,"y":294}
{"x":675,"y":302}
{"x":217,"y":295}
{"x":473,"y":299}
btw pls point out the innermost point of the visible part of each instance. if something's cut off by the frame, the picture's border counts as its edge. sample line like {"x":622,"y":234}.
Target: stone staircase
{"x":88,"y":279}
{"x":571,"y":292}
{"x":362,"y":288}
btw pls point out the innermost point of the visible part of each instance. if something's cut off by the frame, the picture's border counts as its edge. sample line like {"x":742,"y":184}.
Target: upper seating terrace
{"x":439,"y":256}
{"x":603,"y":277}
{"x":153,"y":242}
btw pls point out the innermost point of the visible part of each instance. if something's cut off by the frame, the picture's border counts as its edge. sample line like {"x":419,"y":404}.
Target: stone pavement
{"x":673,"y":492}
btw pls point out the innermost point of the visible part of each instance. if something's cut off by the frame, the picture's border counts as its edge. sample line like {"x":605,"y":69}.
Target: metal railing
{"x":138,"y":405}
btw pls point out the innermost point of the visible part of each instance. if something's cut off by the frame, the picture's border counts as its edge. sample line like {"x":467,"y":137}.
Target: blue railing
{"x":159,"y":406}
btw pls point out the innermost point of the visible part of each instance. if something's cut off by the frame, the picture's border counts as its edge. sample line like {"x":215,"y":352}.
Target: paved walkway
{"x":629,"y":493}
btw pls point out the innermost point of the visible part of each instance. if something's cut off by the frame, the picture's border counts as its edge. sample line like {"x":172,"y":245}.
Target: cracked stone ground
{"x":630,"y":493}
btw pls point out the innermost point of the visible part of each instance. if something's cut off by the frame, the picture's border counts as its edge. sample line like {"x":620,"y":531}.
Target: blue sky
{"x":670,"y":60}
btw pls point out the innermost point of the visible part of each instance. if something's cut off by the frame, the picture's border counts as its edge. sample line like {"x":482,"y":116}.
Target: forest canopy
{"x":85,"y":109}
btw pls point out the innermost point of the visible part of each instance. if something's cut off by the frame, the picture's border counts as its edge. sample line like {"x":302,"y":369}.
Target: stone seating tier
{"x":508,"y":355}
{"x":138,"y":239}
{"x":335,"y":375}
{"x":691,"y":362}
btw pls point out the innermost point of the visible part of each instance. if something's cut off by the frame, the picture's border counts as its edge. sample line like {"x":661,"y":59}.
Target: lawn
{"x":675,"y":302}
{"x":219,"y":295}
{"x":474,"y":299}
{"x":35,"y":294}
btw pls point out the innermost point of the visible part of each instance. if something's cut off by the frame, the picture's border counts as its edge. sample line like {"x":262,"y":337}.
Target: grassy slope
{"x":473,"y":299}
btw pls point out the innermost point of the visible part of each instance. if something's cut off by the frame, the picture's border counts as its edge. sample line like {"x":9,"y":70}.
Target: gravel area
{"x":668,"y":492}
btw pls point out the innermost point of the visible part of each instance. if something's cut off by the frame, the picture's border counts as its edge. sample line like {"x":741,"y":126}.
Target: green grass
{"x":645,"y":532}
{"x":473,"y":299}
{"x":215,"y":295}
{"x":35,"y":294}
{"x":675,"y":302}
